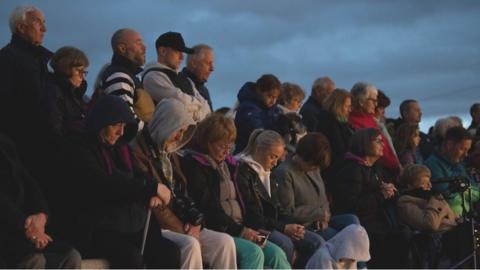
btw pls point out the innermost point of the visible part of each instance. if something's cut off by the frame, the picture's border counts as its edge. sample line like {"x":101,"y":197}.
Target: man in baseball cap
{"x":162,"y":79}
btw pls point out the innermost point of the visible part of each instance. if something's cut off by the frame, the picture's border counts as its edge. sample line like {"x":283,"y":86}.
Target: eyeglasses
{"x":224,"y":146}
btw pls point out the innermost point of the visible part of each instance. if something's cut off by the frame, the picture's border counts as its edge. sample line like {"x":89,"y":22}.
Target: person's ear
{"x":20,"y":27}
{"x":122,"y":48}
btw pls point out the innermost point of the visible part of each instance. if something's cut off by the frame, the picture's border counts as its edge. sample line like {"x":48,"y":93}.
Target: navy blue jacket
{"x":252,"y":114}
{"x":311,"y":113}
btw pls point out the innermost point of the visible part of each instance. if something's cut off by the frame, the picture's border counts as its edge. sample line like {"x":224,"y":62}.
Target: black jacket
{"x":311,"y":112}
{"x":358,"y":192}
{"x":23,"y":102}
{"x":204,"y":187}
{"x":66,"y":106}
{"x":338,"y":134}
{"x":262,"y":211}
{"x":20,"y":195}
{"x":104,"y":190}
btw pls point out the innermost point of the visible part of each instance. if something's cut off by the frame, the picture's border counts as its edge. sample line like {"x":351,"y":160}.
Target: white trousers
{"x":217,"y":249}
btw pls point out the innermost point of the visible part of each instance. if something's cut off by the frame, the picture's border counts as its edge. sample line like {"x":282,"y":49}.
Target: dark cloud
{"x":426,"y":50}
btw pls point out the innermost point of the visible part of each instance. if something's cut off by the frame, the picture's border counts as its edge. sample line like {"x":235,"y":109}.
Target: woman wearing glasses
{"x":364,"y":102}
{"x":361,"y":191}
{"x":67,"y":88}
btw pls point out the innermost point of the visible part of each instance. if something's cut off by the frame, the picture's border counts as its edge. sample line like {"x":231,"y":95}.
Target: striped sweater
{"x":120,"y":79}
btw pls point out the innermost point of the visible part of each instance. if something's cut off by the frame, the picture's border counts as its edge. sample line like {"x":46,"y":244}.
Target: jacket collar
{"x":127,"y":63}
{"x":193,"y":77}
{"x":39,"y":50}
{"x":359,"y":160}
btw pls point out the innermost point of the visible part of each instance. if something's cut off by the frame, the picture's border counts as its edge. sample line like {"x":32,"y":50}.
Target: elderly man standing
{"x":162,"y":80}
{"x":120,"y":77}
{"x":312,"y":109}
{"x":198,"y":69}
{"x":23,"y":73}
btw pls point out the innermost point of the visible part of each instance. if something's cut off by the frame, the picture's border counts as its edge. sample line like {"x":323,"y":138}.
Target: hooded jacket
{"x":108,"y":192}
{"x":350,"y":243}
{"x":252,"y":114}
{"x":149,"y":150}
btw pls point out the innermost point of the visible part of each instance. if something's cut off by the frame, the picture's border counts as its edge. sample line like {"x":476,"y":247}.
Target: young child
{"x":406,"y":141}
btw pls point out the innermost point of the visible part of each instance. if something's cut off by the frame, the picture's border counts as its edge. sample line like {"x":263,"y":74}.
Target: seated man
{"x":24,"y":242}
{"x":447,"y":163}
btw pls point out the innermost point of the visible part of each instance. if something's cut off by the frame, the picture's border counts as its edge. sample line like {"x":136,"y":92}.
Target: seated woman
{"x":107,"y":196}
{"x":343,"y":251}
{"x":257,"y":108}
{"x":359,"y":190}
{"x":25,"y":241}
{"x":154,"y":151}
{"x":259,"y":191}
{"x":423,"y":209}
{"x":302,"y":191}
{"x":210,"y":169}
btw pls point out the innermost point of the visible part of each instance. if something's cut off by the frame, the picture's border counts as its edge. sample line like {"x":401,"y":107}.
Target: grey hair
{"x":320,"y":83}
{"x":19,"y":14}
{"x":442,"y":125}
{"x":199,"y":52}
{"x":262,"y":138}
{"x":360,"y":92}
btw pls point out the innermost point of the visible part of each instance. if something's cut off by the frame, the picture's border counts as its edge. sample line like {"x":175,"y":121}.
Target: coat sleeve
{"x":207,"y":199}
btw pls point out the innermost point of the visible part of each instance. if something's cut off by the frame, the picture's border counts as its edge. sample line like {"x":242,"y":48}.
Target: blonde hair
{"x":335,"y":101}
{"x":262,"y":138}
{"x":214,"y":128}
{"x":412,"y":175}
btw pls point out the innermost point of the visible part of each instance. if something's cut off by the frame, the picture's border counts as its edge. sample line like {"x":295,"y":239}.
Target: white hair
{"x":19,"y":14}
{"x":360,"y":91}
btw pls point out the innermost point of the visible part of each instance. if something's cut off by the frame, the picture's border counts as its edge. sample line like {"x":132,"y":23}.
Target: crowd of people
{"x":145,"y":174}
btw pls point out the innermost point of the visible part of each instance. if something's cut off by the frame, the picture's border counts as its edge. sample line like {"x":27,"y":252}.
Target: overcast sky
{"x":426,"y":50}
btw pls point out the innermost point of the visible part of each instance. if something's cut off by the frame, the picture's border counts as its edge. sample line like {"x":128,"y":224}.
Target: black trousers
{"x":18,"y":252}
{"x":123,"y":250}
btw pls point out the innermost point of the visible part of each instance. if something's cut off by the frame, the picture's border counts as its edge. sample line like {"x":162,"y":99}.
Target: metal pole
{"x":145,"y":231}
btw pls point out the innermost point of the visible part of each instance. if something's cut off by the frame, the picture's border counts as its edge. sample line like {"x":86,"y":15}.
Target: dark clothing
{"x":20,"y":197}
{"x":252,"y":114}
{"x":67,"y":108}
{"x":358,"y":192}
{"x":23,"y":106}
{"x":200,"y":85}
{"x":261,"y":209}
{"x":110,"y":193}
{"x":120,"y":79}
{"x":311,"y":113}
{"x":204,"y":187}
{"x":338,"y":134}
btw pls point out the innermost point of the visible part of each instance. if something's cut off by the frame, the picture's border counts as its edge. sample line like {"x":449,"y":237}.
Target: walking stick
{"x":145,"y":231}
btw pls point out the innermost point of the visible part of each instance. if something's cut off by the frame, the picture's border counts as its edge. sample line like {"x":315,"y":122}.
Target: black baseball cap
{"x":173,"y":40}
